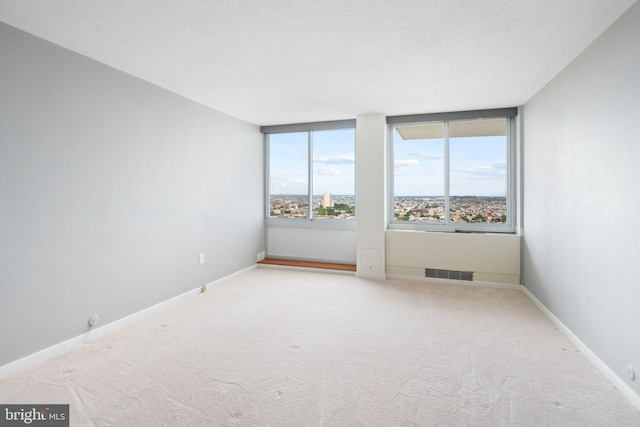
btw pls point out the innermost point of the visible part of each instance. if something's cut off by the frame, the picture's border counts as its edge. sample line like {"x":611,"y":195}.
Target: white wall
{"x":371,"y":184}
{"x":492,"y":258}
{"x":110,"y":188}
{"x":581,"y":205}
{"x":312,"y":244}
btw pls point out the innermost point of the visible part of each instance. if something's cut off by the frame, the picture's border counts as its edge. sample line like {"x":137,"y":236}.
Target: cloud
{"x":287,"y":181}
{"x":414,"y":172}
{"x":494,"y":171}
{"x":327,"y":170}
{"x":404,"y":163}
{"x":405,"y":168}
{"x":501,"y":166}
{"x":337,"y":159}
{"x":420,"y":154}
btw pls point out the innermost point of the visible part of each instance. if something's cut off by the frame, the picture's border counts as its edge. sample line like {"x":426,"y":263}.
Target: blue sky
{"x":333,"y":162}
{"x":478,"y":165}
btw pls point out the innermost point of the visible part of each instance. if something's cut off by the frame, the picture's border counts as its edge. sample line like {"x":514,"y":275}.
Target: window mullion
{"x":267,"y":174}
{"x":391,"y":174}
{"x":511,"y":168}
{"x":310,"y":175}
{"x":447,"y":200}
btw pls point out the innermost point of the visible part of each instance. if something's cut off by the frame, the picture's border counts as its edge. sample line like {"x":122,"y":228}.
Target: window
{"x":311,"y":173}
{"x":289,"y":175}
{"x":453,"y":172}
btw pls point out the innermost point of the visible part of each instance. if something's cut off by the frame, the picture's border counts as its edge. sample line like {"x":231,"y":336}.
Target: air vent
{"x":448,"y":274}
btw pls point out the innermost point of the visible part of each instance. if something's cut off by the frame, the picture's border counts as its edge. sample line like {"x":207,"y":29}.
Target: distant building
{"x":327,"y":202}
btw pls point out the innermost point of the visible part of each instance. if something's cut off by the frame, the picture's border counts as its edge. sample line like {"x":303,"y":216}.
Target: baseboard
{"x":375,"y":276}
{"x":455,"y":282}
{"x":96,"y":333}
{"x":618,"y":382}
{"x":33,"y":359}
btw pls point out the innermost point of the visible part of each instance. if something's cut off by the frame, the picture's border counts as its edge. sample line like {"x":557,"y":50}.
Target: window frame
{"x":308,"y":221}
{"x":509,"y":114}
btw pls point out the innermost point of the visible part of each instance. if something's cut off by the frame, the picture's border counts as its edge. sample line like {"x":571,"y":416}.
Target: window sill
{"x":325,"y":224}
{"x":457,"y":228}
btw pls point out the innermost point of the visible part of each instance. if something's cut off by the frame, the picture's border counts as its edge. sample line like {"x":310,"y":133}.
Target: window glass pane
{"x":478,"y":171}
{"x":334,"y":174}
{"x":288,"y":175}
{"x":418,"y":173}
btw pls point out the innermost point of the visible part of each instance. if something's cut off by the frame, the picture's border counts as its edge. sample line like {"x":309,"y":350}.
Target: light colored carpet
{"x":287,"y":348}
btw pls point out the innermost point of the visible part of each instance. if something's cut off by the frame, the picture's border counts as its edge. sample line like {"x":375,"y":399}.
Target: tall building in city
{"x":327,"y":202}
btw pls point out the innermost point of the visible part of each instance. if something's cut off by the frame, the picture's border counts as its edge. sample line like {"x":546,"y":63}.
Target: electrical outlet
{"x":93,"y":320}
{"x":631,"y":372}
{"x":201,"y":258}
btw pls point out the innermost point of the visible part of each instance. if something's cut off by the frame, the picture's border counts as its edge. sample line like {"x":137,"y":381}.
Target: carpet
{"x":289,"y":348}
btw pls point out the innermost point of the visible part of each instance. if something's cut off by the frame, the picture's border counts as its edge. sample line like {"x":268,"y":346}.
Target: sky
{"x":478,"y":164}
{"x":333,"y":162}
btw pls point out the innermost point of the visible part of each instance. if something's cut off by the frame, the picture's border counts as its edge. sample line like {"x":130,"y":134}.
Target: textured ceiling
{"x":291,"y":61}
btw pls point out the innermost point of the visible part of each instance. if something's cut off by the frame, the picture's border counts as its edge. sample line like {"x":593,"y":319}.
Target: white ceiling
{"x":292,"y":61}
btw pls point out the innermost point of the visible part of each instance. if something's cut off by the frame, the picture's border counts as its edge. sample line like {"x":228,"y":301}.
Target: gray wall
{"x":582,"y":196}
{"x":110,"y":188}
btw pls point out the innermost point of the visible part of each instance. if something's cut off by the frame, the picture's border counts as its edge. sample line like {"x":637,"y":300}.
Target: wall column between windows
{"x":371,"y":194}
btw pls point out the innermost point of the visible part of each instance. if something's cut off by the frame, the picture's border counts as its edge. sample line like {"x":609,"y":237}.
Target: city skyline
{"x":475,"y":209}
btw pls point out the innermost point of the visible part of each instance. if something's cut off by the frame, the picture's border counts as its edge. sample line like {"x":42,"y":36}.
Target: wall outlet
{"x":201,"y":258}
{"x":93,"y":320}
{"x":631,"y":372}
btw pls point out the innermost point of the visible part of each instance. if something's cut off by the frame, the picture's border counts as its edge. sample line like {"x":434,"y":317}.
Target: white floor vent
{"x":448,"y":274}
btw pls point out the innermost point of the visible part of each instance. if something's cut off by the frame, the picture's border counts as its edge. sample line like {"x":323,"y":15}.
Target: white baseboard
{"x":375,"y":276}
{"x":33,"y":359}
{"x":454,"y":282}
{"x":618,"y":382}
{"x":95,"y":333}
